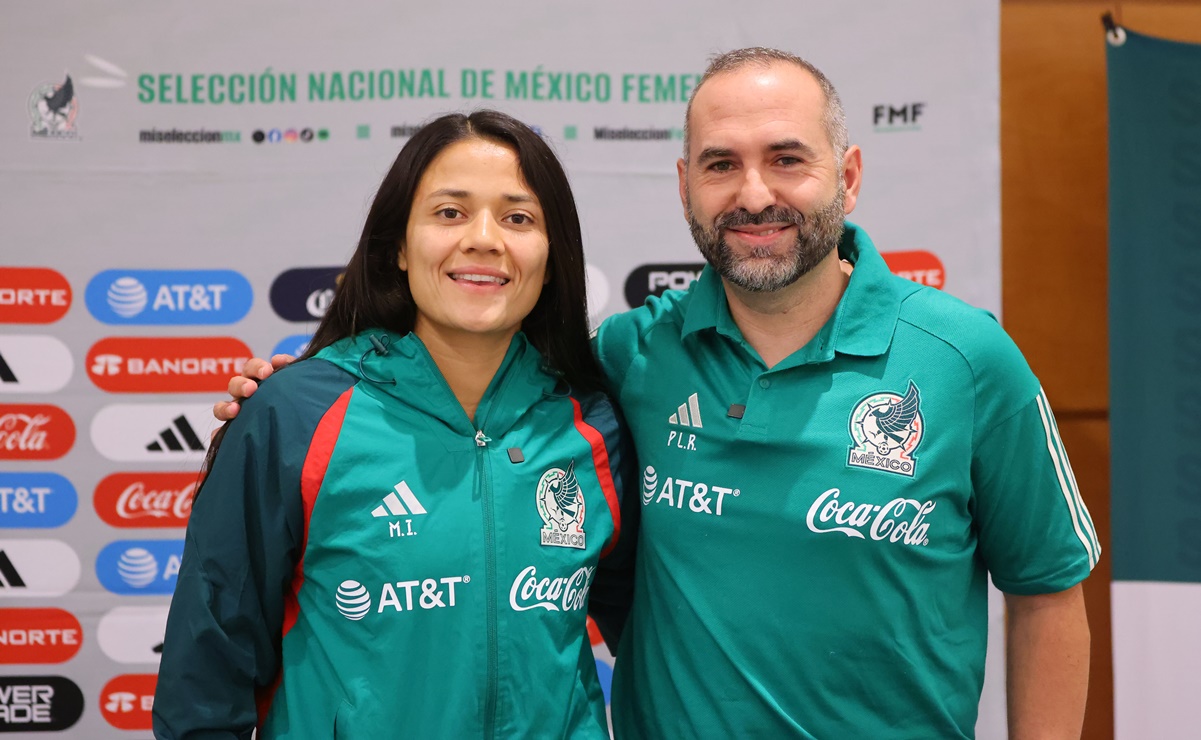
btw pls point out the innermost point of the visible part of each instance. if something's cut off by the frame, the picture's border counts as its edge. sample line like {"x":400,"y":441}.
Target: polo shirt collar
{"x":862,"y":324}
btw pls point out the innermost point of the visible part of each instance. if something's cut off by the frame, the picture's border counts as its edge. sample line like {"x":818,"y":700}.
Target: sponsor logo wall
{"x":139,"y":267}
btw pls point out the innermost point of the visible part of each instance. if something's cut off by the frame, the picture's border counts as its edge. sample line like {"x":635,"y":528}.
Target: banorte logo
{"x":35,"y":432}
{"x":165,"y":364}
{"x":33,"y":295}
{"x":143,"y":500}
{"x":923,"y":268}
{"x":127,"y":700}
{"x":38,"y":636}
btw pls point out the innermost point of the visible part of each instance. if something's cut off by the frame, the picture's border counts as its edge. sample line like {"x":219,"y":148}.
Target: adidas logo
{"x":688,"y":414}
{"x":9,"y":577}
{"x":394,"y":503}
{"x":167,"y":439}
{"x":6,"y":373}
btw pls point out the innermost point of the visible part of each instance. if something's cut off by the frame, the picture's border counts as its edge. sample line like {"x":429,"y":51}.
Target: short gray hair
{"x":834,"y":119}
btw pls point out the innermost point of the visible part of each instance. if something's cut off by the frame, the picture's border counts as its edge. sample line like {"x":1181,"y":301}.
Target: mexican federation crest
{"x":561,"y":506}
{"x":53,"y":109}
{"x":886,"y":428}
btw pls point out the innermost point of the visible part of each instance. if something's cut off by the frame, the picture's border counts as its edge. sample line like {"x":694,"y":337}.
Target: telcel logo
{"x":923,"y":268}
{"x":304,"y":293}
{"x":36,"y":500}
{"x":126,"y":701}
{"x":165,"y":364}
{"x":649,"y":280}
{"x":169,"y":297}
{"x":33,"y":295}
{"x":35,"y":432}
{"x":139,"y":500}
{"x":140,"y":566}
{"x":38,"y":636}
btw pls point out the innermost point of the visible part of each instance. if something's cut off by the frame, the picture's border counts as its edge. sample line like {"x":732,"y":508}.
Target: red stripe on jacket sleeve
{"x":312,"y":475}
{"x":600,"y":459}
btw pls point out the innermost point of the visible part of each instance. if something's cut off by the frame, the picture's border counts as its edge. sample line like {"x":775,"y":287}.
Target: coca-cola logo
{"x":35,"y":432}
{"x":137,"y":500}
{"x":900,"y":520}
{"x":553,"y":594}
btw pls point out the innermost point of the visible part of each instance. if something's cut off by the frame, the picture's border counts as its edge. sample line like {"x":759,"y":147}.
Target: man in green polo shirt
{"x":832,"y":460}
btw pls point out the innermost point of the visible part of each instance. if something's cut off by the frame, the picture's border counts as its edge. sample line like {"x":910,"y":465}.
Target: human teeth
{"x":479,"y":278}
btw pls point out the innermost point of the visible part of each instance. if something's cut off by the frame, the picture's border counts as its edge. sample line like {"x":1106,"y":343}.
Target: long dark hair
{"x":374,"y":292}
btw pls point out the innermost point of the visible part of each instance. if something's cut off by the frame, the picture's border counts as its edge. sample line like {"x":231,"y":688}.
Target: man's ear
{"x":852,"y":177}
{"x":682,"y":171}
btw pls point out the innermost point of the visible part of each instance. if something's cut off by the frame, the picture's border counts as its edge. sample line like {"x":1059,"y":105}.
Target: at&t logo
{"x":169,"y":296}
{"x":701,"y":498}
{"x":140,"y":566}
{"x":354,"y":601}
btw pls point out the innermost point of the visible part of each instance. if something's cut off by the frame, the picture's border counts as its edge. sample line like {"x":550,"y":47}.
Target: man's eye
{"x":721,"y":166}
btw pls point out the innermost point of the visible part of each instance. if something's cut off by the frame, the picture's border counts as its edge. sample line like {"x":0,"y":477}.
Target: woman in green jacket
{"x":401,"y":535}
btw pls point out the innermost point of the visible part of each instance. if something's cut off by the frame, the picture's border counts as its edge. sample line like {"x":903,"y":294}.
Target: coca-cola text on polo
{"x":34,"y":432}
{"x":33,"y":295}
{"x":140,"y":500}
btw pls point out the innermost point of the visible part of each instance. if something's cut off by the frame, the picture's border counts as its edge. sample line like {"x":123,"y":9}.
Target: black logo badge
{"x":304,"y":293}
{"x":649,"y":280}
{"x":38,"y":703}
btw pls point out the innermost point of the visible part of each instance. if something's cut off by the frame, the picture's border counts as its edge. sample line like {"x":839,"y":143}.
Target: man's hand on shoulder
{"x":243,"y":386}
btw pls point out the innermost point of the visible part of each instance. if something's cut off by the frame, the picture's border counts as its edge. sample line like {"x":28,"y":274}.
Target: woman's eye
{"x":520,"y":219}
{"x":448,"y":212}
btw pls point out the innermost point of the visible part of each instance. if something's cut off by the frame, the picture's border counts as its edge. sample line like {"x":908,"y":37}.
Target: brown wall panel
{"x":1054,"y":173}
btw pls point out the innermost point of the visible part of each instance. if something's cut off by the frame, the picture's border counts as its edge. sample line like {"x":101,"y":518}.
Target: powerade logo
{"x":169,"y":297}
{"x":140,"y":566}
{"x":649,"y":280}
{"x":36,"y":500}
{"x":303,"y":294}
{"x":38,"y":703}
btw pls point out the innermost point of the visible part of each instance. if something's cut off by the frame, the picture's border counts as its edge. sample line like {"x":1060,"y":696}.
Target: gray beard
{"x":817,"y":235}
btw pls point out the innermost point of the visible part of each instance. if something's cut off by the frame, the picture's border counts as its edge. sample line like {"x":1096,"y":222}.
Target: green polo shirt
{"x":816,"y":537}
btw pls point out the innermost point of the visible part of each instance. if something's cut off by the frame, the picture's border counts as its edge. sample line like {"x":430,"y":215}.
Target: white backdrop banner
{"x":179,"y":186}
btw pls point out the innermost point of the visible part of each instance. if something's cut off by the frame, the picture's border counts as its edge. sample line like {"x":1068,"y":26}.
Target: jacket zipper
{"x":481,"y":442}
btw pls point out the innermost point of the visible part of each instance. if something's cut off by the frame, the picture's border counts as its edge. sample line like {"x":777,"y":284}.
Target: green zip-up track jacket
{"x":363,"y":561}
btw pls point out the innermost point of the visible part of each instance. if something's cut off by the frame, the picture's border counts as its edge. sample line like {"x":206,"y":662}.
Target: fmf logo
{"x":169,"y":297}
{"x":140,"y":566}
{"x":155,"y":432}
{"x":902,"y":117}
{"x":133,"y":634}
{"x":38,"y":636}
{"x":37,"y":568}
{"x":304,"y":293}
{"x":141,"y":500}
{"x":38,"y":703}
{"x":165,"y":364}
{"x":33,"y":295}
{"x":33,"y":364}
{"x":649,"y":280}
{"x":126,"y":701}
{"x":36,"y":500}
{"x":35,"y":432}
{"x":921,"y":267}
